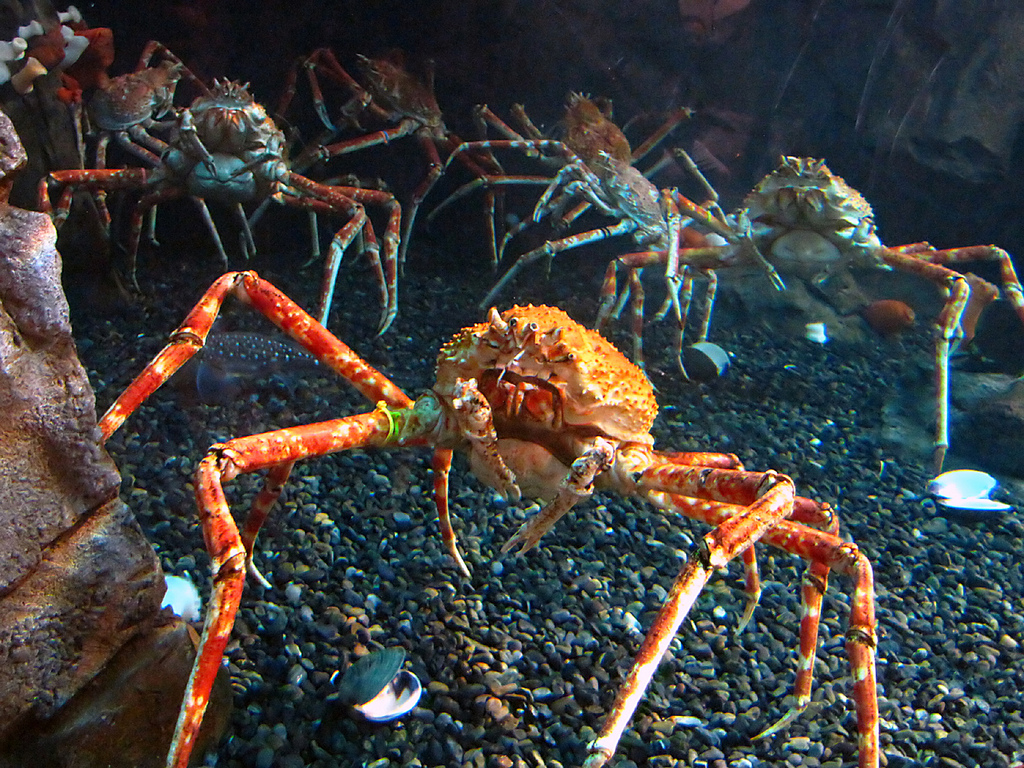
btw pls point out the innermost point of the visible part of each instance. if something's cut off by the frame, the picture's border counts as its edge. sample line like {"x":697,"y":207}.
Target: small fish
{"x":888,"y":317}
{"x":231,"y":363}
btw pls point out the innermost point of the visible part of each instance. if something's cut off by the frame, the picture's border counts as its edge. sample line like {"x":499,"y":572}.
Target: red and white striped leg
{"x":774,"y":502}
{"x":341,"y":199}
{"x":227,"y":550}
{"x":250,"y":289}
{"x":93,"y":180}
{"x":811,"y":533}
{"x":442,"y":465}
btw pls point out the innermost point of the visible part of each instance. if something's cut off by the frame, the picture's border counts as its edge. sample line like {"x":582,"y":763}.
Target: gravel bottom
{"x":520,"y":661}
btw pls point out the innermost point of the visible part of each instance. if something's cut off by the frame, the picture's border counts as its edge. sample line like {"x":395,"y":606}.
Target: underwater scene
{"x":512,"y":384}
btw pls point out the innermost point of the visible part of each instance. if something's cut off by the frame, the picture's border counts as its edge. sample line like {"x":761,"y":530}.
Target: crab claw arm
{"x":578,"y":484}
{"x":474,"y":419}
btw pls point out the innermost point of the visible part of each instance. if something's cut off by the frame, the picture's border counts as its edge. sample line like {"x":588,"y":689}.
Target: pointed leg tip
{"x":596,"y":759}
{"x":783,"y":722}
{"x":255,"y":573}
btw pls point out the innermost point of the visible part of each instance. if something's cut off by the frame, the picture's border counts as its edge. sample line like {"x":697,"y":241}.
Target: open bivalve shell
{"x":966,"y":491}
{"x":400,"y":696}
{"x":377,"y":687}
{"x":705,"y":361}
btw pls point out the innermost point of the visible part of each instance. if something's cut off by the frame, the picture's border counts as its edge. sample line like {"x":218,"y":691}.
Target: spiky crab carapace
{"x":543,"y":407}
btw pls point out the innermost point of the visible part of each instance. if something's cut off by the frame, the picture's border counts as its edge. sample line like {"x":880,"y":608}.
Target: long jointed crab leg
{"x":929,"y":262}
{"x":342,"y":198}
{"x":251,"y":289}
{"x":69,"y":181}
{"x":405,"y":423}
{"x":803,"y":535}
{"x":728,"y":540}
{"x":227,"y":549}
{"x":733,"y":535}
{"x":442,"y":466}
{"x":554,"y":247}
{"x":812,"y":590}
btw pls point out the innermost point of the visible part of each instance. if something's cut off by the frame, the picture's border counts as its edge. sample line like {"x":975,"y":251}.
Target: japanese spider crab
{"x":225,"y":147}
{"x":543,"y":407}
{"x":596,"y":169}
{"x":392,"y":96}
{"x":811,"y":225}
{"x":127,"y":109}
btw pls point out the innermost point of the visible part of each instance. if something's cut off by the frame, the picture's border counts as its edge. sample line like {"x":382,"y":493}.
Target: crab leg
{"x":93,"y":180}
{"x":485,"y":182}
{"x":324,"y":60}
{"x":442,"y":465}
{"x":774,"y":502}
{"x":341,"y":198}
{"x":806,"y":511}
{"x":554,"y":247}
{"x":675,"y":117}
{"x":358,"y":223}
{"x":922,"y":259}
{"x":273,"y":485}
{"x":484,"y":116}
{"x":815,"y":581}
{"x":227,"y":549}
{"x":251,"y":289}
{"x":812,"y":533}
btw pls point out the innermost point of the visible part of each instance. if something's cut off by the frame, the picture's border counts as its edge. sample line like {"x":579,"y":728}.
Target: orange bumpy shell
{"x":600,"y":387}
{"x":588,"y":131}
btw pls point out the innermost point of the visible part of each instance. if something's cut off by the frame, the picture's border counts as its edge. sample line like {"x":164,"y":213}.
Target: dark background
{"x":915,"y":103}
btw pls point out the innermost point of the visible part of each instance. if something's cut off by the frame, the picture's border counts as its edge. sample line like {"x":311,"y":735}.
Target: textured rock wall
{"x":77,"y":576}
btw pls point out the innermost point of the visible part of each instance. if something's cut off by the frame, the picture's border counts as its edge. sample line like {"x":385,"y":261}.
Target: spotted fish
{"x":233,"y":363}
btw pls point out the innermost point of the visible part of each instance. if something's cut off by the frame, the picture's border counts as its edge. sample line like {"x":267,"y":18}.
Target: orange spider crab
{"x":543,"y":407}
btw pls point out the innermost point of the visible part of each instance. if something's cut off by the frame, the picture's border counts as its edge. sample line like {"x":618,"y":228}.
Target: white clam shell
{"x":975,"y":505}
{"x":705,"y":361}
{"x":399,"y":697}
{"x":962,"y":484}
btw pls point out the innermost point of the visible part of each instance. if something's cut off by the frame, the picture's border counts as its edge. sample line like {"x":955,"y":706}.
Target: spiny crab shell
{"x":229,"y":121}
{"x":600,"y":388}
{"x":806,"y":205}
